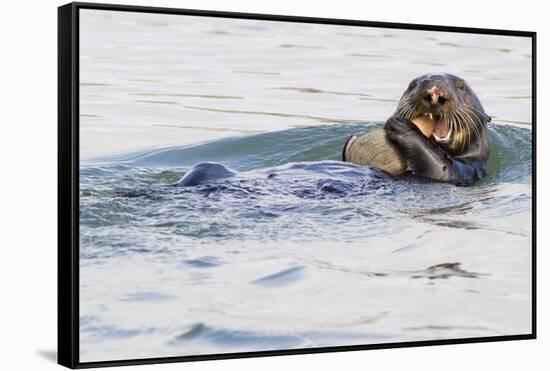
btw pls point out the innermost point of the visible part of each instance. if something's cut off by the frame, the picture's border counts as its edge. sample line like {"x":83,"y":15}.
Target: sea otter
{"x":458,"y":148}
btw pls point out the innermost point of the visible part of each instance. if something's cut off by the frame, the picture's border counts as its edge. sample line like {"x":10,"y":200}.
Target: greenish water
{"x":298,"y":249}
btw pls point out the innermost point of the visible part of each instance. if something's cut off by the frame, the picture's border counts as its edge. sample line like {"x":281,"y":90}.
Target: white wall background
{"x":28,"y":155}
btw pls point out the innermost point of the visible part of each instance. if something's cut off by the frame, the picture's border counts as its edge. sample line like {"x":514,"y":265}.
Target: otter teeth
{"x":430,"y":115}
{"x":446,"y":139}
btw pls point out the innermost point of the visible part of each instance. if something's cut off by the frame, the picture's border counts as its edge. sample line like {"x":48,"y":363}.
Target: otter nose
{"x":434,"y":95}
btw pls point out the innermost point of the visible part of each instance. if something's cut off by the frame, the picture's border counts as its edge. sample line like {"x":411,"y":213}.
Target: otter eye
{"x":412,"y":85}
{"x":460,"y":84}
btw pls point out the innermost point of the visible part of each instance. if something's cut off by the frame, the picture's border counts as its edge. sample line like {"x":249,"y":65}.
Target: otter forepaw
{"x":395,"y":124}
{"x":401,"y":130}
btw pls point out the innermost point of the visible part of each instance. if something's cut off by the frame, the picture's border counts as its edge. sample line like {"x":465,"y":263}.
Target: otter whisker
{"x":478,"y":113}
{"x":457,"y":120}
{"x":474,"y":120}
{"x":412,"y":113}
{"x":466,"y":127}
{"x":474,"y":114}
{"x":405,"y":110}
{"x":463,"y":127}
{"x":468,"y":121}
{"x":409,"y":113}
{"x":452,"y":120}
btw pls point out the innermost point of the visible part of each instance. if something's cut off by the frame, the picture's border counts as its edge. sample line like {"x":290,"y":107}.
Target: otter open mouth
{"x":433,"y":126}
{"x":442,"y":132}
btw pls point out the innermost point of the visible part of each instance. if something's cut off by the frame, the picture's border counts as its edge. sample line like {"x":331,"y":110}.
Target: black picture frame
{"x":68,"y":182}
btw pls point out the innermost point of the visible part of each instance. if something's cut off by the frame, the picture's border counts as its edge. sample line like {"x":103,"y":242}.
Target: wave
{"x":510,"y":159}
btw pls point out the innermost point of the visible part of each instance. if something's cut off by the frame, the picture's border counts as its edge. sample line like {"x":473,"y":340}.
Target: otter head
{"x":450,"y":104}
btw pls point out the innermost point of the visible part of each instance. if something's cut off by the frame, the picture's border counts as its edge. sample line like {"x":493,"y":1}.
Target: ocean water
{"x":298,"y":249}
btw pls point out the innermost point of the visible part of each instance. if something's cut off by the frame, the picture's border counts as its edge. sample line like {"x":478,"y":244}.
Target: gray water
{"x":299,"y":249}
